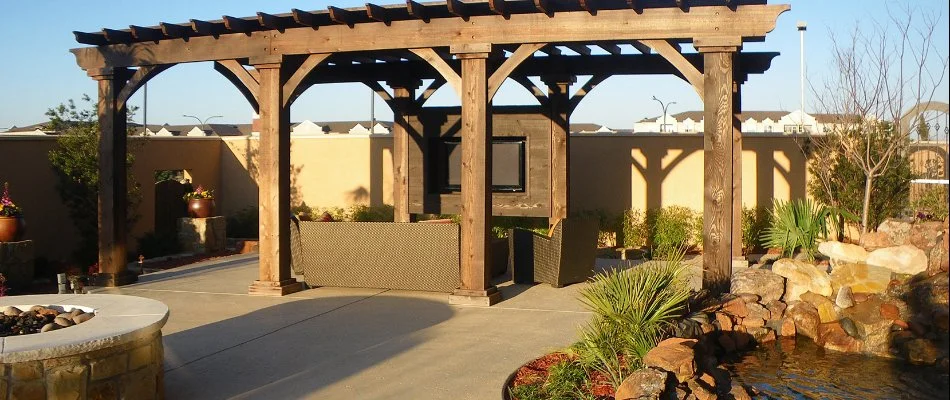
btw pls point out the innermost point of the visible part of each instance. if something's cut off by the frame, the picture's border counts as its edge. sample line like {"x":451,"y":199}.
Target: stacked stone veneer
{"x":129,"y":371}
{"x":202,"y":235}
{"x":116,"y":355}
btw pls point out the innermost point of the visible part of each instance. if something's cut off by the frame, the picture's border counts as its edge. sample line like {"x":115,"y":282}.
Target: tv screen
{"x":508,"y":165}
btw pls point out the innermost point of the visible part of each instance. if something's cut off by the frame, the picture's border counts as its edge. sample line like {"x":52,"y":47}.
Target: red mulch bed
{"x":537,"y":371}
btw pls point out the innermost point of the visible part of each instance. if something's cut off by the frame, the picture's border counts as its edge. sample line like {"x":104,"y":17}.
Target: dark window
{"x":508,"y":164}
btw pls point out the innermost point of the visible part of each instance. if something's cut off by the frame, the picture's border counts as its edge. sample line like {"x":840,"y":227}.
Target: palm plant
{"x":798,"y":224}
{"x":633,"y":310}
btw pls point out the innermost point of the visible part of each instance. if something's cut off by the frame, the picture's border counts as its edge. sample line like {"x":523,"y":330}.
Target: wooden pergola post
{"x":559,"y":104}
{"x":719,"y":112}
{"x":113,"y":181}
{"x":404,"y":105}
{"x":275,"y":277}
{"x":476,"y":135}
{"x":737,"y":169}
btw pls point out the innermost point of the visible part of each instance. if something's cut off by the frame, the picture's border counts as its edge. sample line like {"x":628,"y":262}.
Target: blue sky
{"x":38,"y":71}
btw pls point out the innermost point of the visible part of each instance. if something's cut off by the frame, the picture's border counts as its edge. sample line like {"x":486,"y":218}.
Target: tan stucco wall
{"x":616,"y":172}
{"x":327,"y":171}
{"x":345,"y":170}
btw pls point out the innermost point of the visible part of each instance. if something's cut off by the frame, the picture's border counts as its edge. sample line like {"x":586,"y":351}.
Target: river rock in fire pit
{"x":78,"y":319}
{"x":63,"y":322}
{"x":11,"y":311}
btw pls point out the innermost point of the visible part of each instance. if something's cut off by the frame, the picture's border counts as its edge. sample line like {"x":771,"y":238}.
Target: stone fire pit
{"x":117,"y":354}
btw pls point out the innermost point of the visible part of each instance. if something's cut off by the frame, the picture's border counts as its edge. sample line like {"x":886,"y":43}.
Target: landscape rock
{"x":735,"y":307}
{"x":802,"y":277}
{"x":759,"y":311}
{"x":788,"y":328}
{"x":905,"y":259}
{"x":762,"y":334}
{"x":675,"y":356}
{"x":776,"y":308}
{"x":921,"y":351}
{"x":890,"y":311}
{"x":862,"y":278}
{"x":877,"y":338}
{"x":738,"y":393}
{"x":642,"y":384}
{"x":937,"y":258}
{"x":843,"y":252}
{"x":701,"y":390}
{"x":875,"y":240}
{"x":826,"y":309}
{"x":762,"y":282}
{"x":896,"y":230}
{"x":926,"y":234}
{"x":844,"y":298}
{"x":867,"y":313}
{"x":725,"y":321}
{"x":833,"y":337}
{"x":806,"y":318}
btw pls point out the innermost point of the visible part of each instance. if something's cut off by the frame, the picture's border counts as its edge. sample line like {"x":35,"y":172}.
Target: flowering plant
{"x":199,"y":193}
{"x":7,"y":207}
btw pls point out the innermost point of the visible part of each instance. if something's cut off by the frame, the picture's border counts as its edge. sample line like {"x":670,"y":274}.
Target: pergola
{"x":471,"y":46}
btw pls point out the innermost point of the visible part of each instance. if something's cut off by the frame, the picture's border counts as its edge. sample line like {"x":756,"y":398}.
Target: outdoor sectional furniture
{"x":385,"y":255}
{"x":566,"y":256}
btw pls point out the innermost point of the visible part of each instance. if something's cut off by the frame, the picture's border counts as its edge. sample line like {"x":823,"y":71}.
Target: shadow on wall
{"x":240,"y":172}
{"x":298,"y":348}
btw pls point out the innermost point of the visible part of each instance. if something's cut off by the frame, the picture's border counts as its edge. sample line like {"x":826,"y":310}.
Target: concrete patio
{"x":336,"y":343}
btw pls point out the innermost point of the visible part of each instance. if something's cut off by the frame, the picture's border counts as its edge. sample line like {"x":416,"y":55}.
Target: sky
{"x":37,"y":71}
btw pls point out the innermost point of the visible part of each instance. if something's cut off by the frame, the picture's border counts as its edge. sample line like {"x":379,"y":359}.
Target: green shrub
{"x":635,"y":229}
{"x":674,"y":227}
{"x":244,"y":224}
{"x":566,"y":380}
{"x":797,"y":224}
{"x":501,"y":225}
{"x":633,"y":310}
{"x":364,"y":213}
{"x":338,"y":213}
{"x":932,"y":203}
{"x":754,"y":222}
{"x":157,"y":244}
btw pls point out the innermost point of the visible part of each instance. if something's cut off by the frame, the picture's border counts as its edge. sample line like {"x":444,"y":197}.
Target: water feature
{"x":799,"y":369}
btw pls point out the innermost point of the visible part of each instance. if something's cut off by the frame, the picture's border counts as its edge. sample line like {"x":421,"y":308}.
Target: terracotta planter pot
{"x":11,"y":229}
{"x":200,"y":208}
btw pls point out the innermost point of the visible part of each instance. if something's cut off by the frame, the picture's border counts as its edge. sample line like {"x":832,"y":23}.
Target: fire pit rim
{"x":119,"y":319}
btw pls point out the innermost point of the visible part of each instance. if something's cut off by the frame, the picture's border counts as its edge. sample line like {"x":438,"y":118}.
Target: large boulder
{"x":675,"y":356}
{"x":801,"y":277}
{"x":806,"y":318}
{"x":832,"y":336}
{"x":925,"y":235}
{"x":875,"y":240}
{"x":642,"y":384}
{"x":766,"y":284}
{"x":861,"y":277}
{"x":939,"y":256}
{"x":906,"y":259}
{"x":897,"y":230}
{"x":843,"y":252}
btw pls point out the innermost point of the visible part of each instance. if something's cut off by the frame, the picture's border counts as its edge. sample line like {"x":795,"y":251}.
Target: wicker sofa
{"x":385,"y":255}
{"x":566,"y":256}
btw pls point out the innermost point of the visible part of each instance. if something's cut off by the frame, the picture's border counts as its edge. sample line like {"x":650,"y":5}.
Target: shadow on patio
{"x":297,"y":348}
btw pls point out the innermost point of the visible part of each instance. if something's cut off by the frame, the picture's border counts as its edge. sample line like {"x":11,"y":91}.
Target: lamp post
{"x":664,"y":107}
{"x":802,"y":26}
{"x":203,"y":123}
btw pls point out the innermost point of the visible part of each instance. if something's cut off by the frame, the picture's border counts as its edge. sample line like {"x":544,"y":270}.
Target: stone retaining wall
{"x":132,"y":370}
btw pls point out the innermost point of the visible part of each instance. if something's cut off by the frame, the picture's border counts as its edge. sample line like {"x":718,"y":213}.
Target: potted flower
{"x":200,"y":202}
{"x":11,"y":217}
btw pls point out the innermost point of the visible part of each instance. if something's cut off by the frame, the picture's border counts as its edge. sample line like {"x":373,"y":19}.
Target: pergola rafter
{"x":273,"y":58}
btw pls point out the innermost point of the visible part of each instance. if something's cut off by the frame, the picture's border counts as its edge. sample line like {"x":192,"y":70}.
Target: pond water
{"x":799,"y":369}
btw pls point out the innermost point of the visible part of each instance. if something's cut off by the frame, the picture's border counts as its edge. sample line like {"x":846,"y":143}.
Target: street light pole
{"x":664,"y":107}
{"x":802,"y":26}
{"x":203,"y":123}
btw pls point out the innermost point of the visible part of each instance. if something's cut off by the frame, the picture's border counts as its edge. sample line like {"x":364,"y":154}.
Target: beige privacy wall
{"x":610,"y":172}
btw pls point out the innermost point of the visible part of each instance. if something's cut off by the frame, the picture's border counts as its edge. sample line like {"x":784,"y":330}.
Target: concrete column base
{"x":483,"y":298}
{"x":271,"y":288}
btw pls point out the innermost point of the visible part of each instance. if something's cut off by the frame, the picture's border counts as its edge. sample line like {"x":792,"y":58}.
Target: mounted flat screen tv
{"x":508,"y":165}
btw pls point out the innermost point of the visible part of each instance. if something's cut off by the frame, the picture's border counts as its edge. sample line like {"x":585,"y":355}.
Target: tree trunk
{"x":867,"y":204}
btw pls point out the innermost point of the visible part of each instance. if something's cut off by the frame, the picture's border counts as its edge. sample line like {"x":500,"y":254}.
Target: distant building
{"x":752,"y":121}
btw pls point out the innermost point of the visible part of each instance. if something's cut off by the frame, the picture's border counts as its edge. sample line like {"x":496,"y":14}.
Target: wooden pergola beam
{"x":240,"y":25}
{"x":498,"y":7}
{"x":202,"y":27}
{"x":608,"y":25}
{"x":175,"y":31}
{"x":115,"y":36}
{"x":544,"y":7}
{"x":588,"y":5}
{"x":377,"y":13}
{"x":417,"y":11}
{"x":458,"y":8}
{"x":278,"y":23}
{"x":146,"y":33}
{"x":341,"y":16}
{"x":305,"y":18}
